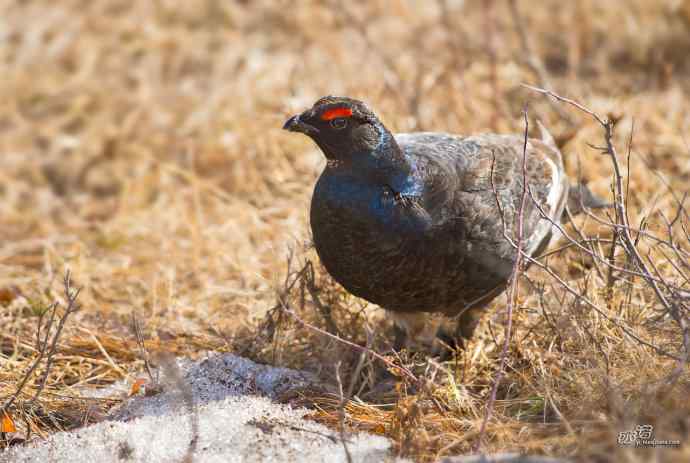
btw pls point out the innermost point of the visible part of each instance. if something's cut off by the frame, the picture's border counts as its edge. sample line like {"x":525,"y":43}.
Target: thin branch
{"x":566,"y":100}
{"x":136,"y":327}
{"x":513,"y":292}
{"x":404,"y":370}
{"x":622,"y":226}
{"x":341,"y":412}
{"x":72,"y":307}
{"x":45,"y":348}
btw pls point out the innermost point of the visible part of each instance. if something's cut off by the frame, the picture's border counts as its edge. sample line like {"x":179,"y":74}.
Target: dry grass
{"x":141,"y":148}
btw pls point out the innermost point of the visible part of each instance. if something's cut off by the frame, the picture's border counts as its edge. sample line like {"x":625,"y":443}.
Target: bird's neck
{"x":388,"y":165}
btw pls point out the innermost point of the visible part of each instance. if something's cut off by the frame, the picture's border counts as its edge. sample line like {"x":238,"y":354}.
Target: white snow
{"x":234,"y":415}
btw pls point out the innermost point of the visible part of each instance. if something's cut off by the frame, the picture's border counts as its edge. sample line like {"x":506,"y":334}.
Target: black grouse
{"x":410,"y":221}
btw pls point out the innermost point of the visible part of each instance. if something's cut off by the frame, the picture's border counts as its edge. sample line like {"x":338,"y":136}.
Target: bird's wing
{"x":467,"y":178}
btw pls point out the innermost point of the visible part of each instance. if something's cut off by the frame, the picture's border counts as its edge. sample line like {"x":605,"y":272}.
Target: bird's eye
{"x":339,"y":123}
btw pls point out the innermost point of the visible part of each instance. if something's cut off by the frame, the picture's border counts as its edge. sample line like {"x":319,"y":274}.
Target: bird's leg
{"x":400,"y":339}
{"x":467,"y":323}
{"x":454,"y":334}
{"x":446,"y":339}
{"x":412,"y":330}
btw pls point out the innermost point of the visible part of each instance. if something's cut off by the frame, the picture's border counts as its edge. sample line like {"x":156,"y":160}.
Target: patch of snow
{"x":232,"y":419}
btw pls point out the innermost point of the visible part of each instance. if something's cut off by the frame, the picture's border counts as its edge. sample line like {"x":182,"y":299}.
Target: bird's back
{"x":476,"y":183}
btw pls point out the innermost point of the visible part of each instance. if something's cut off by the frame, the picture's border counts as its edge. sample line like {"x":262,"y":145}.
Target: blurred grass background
{"x":140,"y":146}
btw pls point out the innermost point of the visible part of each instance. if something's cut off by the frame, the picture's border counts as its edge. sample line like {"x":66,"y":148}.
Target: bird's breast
{"x":368,"y":241}
{"x":349,"y":207}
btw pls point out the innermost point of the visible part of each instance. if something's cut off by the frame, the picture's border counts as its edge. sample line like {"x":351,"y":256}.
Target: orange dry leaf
{"x":7,"y":425}
{"x":379,"y":429}
{"x":136,"y":386}
{"x":7,"y":295}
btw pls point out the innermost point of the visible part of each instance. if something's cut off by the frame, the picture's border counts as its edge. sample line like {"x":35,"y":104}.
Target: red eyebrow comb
{"x":336,"y":112}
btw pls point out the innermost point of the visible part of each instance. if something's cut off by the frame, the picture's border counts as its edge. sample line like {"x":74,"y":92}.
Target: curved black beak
{"x":295,"y":124}
{"x":291,"y":124}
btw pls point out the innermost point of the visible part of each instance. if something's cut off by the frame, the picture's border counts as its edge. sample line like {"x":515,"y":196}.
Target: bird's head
{"x":345,"y":129}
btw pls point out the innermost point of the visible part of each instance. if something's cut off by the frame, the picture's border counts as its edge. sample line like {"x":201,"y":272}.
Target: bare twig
{"x":392,"y":366}
{"x":309,"y":281}
{"x":623,"y":229}
{"x":341,"y":412}
{"x":45,"y":348}
{"x":283,"y":306}
{"x":566,"y":100}
{"x":41,"y":348}
{"x":580,"y":244}
{"x":71,"y":296}
{"x":136,"y":327}
{"x":513,"y":290}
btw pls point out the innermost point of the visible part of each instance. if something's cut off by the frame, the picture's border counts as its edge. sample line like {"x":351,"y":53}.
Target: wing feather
{"x":467,"y":178}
